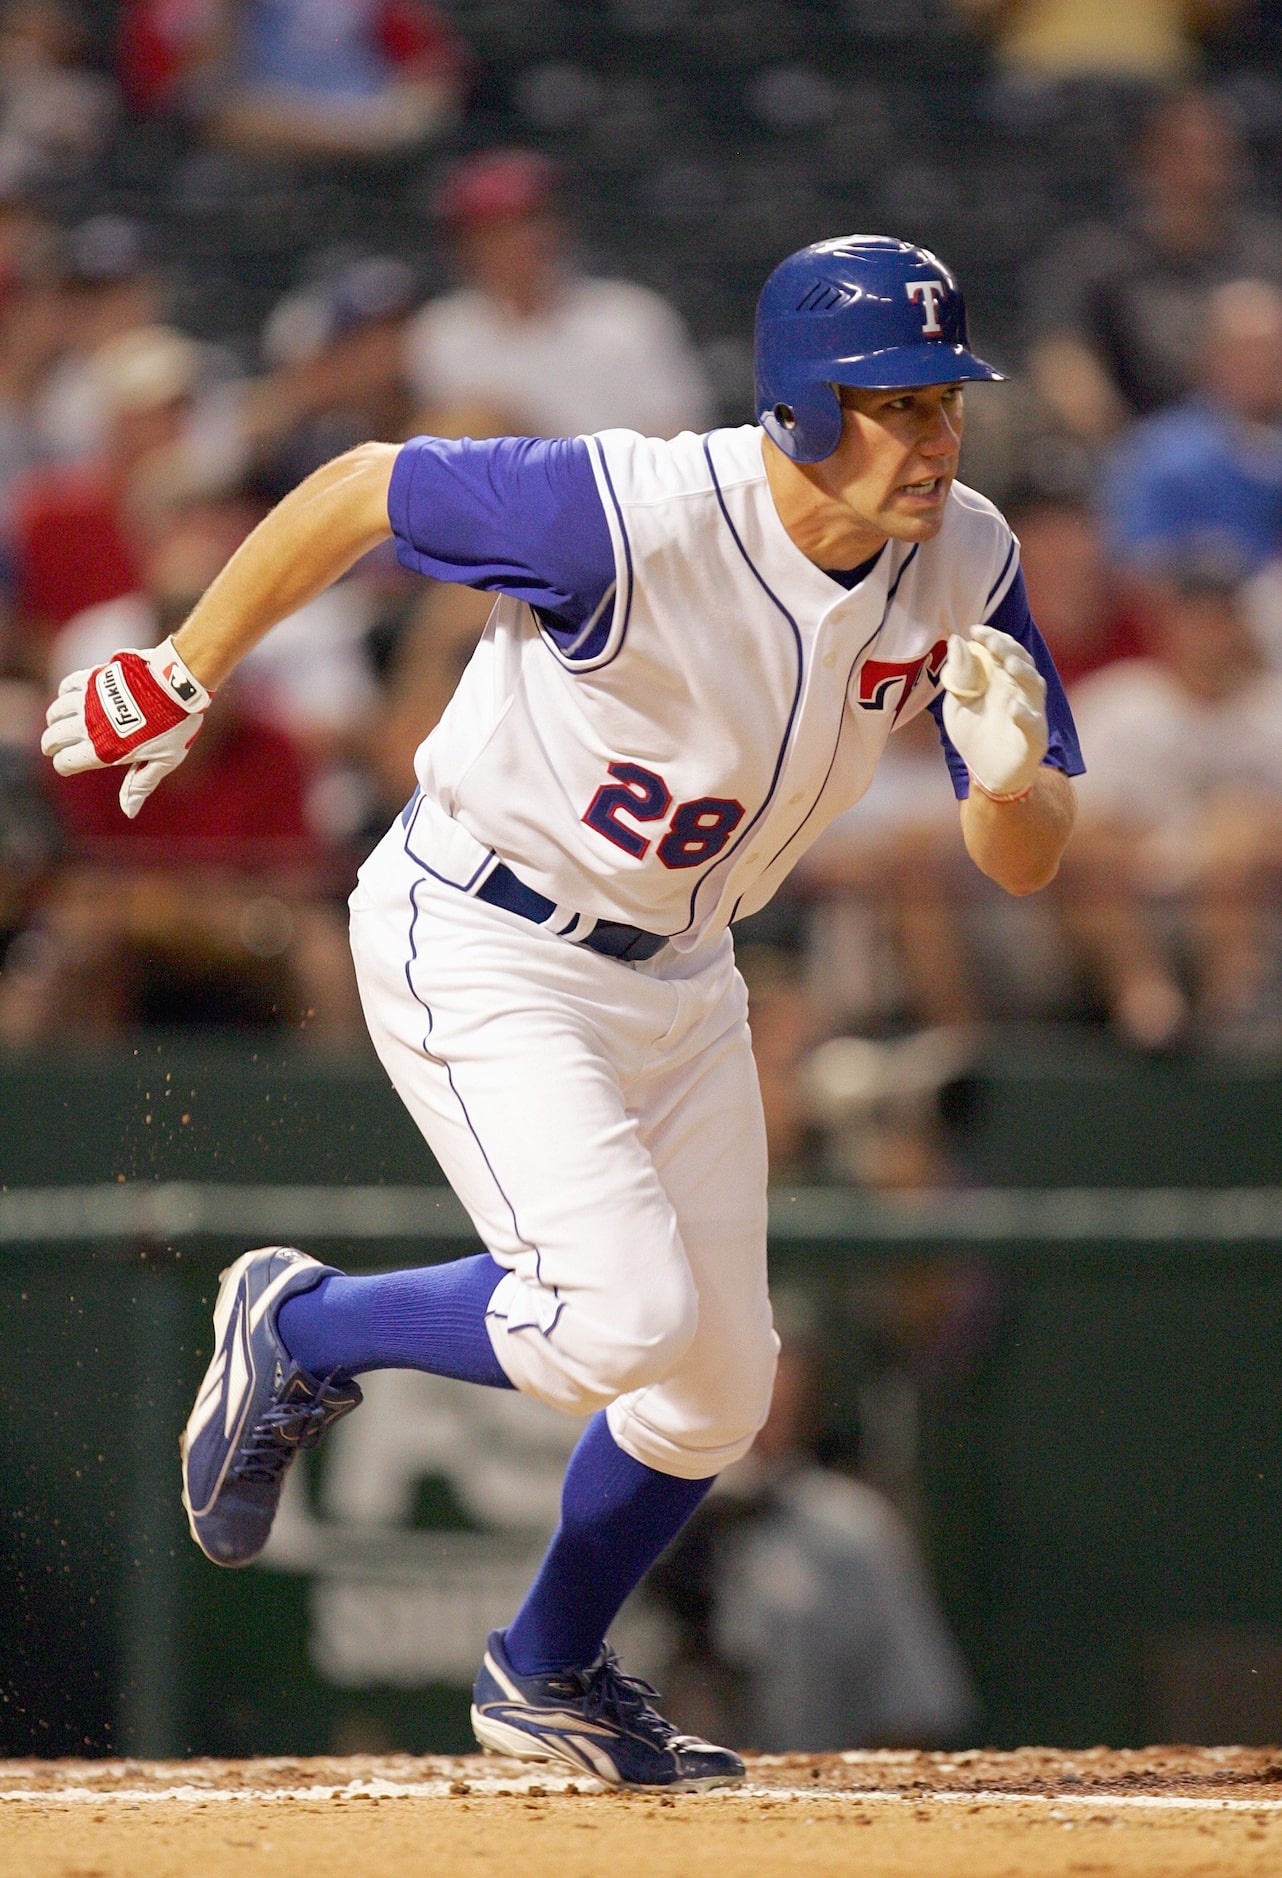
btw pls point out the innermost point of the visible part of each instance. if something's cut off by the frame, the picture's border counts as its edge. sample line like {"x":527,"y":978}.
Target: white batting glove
{"x":995,"y":710}
{"x":143,"y":709}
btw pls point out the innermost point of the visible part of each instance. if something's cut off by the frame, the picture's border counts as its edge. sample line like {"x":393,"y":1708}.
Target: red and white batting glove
{"x":995,"y":711}
{"x":143,"y":709}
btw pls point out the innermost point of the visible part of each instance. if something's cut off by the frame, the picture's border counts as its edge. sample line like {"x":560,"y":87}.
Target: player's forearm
{"x":307,"y":542}
{"x":1019,"y":844}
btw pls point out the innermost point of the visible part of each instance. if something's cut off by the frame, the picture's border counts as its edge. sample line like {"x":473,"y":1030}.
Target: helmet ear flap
{"x":809,"y":428}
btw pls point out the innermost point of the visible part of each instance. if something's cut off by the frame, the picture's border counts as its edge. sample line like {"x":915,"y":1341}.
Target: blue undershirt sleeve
{"x":1063,"y":752}
{"x":514,"y":515}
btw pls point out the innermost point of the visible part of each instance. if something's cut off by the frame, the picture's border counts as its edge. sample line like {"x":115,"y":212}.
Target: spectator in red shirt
{"x":240,"y":809}
{"x":1078,"y":613}
{"x":205,"y":912}
{"x":73,"y":546}
{"x":208,"y":906}
{"x":168,"y":53}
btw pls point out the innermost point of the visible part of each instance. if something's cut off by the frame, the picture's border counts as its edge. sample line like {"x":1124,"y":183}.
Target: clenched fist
{"x":995,"y":710}
{"x":143,"y":709}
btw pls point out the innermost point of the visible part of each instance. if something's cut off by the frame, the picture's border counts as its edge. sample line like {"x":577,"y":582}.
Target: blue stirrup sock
{"x":617,"y":1516}
{"x":432,"y":1318}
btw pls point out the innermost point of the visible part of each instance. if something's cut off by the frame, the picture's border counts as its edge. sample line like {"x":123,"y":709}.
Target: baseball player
{"x":697,"y":652}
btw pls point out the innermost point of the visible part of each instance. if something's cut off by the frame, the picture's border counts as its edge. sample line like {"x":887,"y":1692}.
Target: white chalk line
{"x":551,"y":1787}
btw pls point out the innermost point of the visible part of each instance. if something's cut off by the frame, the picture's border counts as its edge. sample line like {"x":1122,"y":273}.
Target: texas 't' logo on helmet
{"x":929,"y":293}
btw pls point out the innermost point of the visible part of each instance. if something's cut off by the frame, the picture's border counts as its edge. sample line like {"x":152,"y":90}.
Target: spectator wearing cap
{"x":1119,"y":307}
{"x":334,"y":344}
{"x":1043,"y":42}
{"x":32,"y":334}
{"x":525,"y":346}
{"x":55,"y":114}
{"x":337,"y":78}
{"x":109,"y":287}
{"x":72,"y":542}
{"x":170,"y":431}
{"x":528,"y":342}
{"x":1210,"y":467}
{"x":1178,"y":850}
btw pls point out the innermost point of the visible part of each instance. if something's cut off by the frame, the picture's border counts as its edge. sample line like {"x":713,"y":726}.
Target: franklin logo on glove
{"x":117,"y":700}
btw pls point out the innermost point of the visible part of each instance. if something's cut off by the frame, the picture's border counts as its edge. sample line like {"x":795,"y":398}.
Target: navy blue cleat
{"x":255,"y":1409}
{"x":596,"y":1720}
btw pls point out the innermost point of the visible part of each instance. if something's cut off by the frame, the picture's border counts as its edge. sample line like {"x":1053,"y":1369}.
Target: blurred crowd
{"x":797,"y":1606}
{"x":1138,"y":453}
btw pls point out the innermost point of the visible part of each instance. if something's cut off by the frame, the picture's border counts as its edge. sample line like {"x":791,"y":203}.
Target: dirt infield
{"x":1159,"y":1813}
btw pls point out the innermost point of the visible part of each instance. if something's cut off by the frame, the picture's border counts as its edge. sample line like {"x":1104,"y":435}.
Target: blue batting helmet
{"x":860,"y":310}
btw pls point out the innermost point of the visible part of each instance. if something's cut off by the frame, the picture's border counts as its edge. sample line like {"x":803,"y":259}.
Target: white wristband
{"x":170,"y":669}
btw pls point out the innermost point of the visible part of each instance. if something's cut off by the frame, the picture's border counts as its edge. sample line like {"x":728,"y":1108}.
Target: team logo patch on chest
{"x":118,"y":701}
{"x":882,"y":679}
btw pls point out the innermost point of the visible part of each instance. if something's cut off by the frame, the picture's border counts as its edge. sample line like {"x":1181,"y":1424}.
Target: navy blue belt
{"x":610,"y":936}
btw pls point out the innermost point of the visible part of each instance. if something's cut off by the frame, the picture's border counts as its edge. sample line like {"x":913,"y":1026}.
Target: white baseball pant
{"x":601,"y":1123}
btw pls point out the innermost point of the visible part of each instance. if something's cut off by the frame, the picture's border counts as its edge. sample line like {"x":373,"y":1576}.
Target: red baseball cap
{"x":496,"y":185}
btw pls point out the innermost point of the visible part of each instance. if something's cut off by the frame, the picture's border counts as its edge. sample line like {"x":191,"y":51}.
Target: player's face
{"x":897,"y":458}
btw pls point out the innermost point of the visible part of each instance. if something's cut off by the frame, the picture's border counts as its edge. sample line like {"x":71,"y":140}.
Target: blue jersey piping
{"x":410,"y":962}
{"x":841,"y":724}
{"x":1010,"y":554}
{"x":772,"y":596}
{"x":587,"y":661}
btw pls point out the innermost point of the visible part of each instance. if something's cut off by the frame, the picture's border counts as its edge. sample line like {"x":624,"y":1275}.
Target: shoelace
{"x":279,"y":1434}
{"x":624,"y":1700}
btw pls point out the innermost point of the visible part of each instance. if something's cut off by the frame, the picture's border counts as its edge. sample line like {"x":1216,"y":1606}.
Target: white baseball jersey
{"x":669,"y":765}
{"x":669,"y":704}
